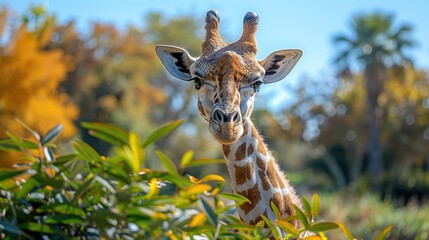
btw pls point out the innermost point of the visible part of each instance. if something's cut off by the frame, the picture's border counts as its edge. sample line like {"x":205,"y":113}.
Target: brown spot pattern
{"x":253,"y":195}
{"x":278,"y":201}
{"x":261,"y":164}
{"x":264,"y":179}
{"x":272,"y":175}
{"x":226,"y":150}
{"x":244,"y":173}
{"x":280,"y":180}
{"x":241,"y":152}
{"x":250,"y":150}
{"x":289,"y":210}
{"x":275,"y":175}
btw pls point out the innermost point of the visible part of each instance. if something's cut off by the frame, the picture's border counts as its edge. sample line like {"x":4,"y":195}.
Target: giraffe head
{"x":227,"y":76}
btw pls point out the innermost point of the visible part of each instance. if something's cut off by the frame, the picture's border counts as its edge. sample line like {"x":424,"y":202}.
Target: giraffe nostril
{"x":217,"y":116}
{"x":236,"y":118}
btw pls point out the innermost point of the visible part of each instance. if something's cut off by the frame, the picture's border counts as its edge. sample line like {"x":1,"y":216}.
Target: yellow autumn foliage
{"x":30,"y":78}
{"x":29,"y":81}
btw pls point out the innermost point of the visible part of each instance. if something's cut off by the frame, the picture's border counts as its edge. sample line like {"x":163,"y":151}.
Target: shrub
{"x":84,"y":195}
{"x":365,"y":214}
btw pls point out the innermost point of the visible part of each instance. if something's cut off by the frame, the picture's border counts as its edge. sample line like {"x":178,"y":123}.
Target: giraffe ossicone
{"x":227,"y":77}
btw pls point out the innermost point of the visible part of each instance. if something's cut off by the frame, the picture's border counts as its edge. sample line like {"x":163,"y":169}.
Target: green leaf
{"x":9,"y":144}
{"x":62,"y":160}
{"x":45,"y":180}
{"x":53,"y":133}
{"x":346,"y":232}
{"x":383,"y":234}
{"x":107,"y":138}
{"x":107,"y":132}
{"x":84,"y":188}
{"x":64,"y":208}
{"x":125,"y":153}
{"x":162,"y":131}
{"x":235,"y":197}
{"x":137,"y":152}
{"x":103,"y":218}
{"x":225,"y":209}
{"x":9,"y":227}
{"x":316,"y":205}
{"x":26,"y":187}
{"x":178,"y":180}
{"x":7,"y":184}
{"x":287,"y":227}
{"x":65,"y":219}
{"x":41,"y":228}
{"x":323,"y":226}
{"x":86,"y":151}
{"x":105,"y":184}
{"x":7,"y":174}
{"x":186,"y":158}
{"x":162,"y":200}
{"x":209,"y":211}
{"x":273,"y":227}
{"x":168,"y":164}
{"x":49,"y":154}
{"x":117,"y":173}
{"x":275,"y":209}
{"x":290,"y":218}
{"x":6,"y":226}
{"x":34,"y":133}
{"x":204,"y":162}
{"x":306,"y":206}
{"x":301,"y":216}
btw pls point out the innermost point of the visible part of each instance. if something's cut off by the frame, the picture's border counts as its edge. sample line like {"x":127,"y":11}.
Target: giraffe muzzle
{"x":220,"y":116}
{"x":226,"y":126}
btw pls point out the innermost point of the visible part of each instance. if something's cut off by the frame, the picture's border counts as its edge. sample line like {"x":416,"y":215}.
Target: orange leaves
{"x":3,"y":19}
{"x":30,"y":78}
{"x":28,"y":88}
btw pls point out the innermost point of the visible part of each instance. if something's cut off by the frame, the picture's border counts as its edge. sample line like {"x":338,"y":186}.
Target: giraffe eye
{"x":256,"y":85}
{"x":197,"y":82}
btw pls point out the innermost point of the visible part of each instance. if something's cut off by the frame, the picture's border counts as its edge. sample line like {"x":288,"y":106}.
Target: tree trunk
{"x":375,"y":165}
{"x":375,"y":75}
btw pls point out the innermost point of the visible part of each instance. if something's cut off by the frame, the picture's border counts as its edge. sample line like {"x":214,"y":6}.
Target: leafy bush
{"x":406,"y":186}
{"x":84,"y":195}
{"x":365,"y":214}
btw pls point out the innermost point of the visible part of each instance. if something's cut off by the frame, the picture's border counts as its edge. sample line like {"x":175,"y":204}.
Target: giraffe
{"x":227,"y":77}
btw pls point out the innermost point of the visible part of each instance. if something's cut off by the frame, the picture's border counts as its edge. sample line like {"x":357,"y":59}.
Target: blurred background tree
{"x":105,"y":75}
{"x":30,"y":77}
{"x":371,"y":119}
{"x":376,"y":45}
{"x":377,"y":111}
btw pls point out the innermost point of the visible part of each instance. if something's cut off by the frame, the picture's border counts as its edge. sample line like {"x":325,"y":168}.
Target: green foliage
{"x":366,"y":216}
{"x":88,"y":195}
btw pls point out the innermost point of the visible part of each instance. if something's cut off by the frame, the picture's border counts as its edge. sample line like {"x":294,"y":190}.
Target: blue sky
{"x":307,"y":25}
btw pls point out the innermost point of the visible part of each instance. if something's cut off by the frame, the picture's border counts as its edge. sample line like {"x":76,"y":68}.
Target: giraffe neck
{"x":255,"y":175}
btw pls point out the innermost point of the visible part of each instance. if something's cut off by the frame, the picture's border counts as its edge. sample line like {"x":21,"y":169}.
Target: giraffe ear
{"x":176,"y":60}
{"x":279,"y":63}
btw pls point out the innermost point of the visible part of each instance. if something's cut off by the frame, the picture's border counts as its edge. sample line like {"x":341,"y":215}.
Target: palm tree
{"x":373,"y":46}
